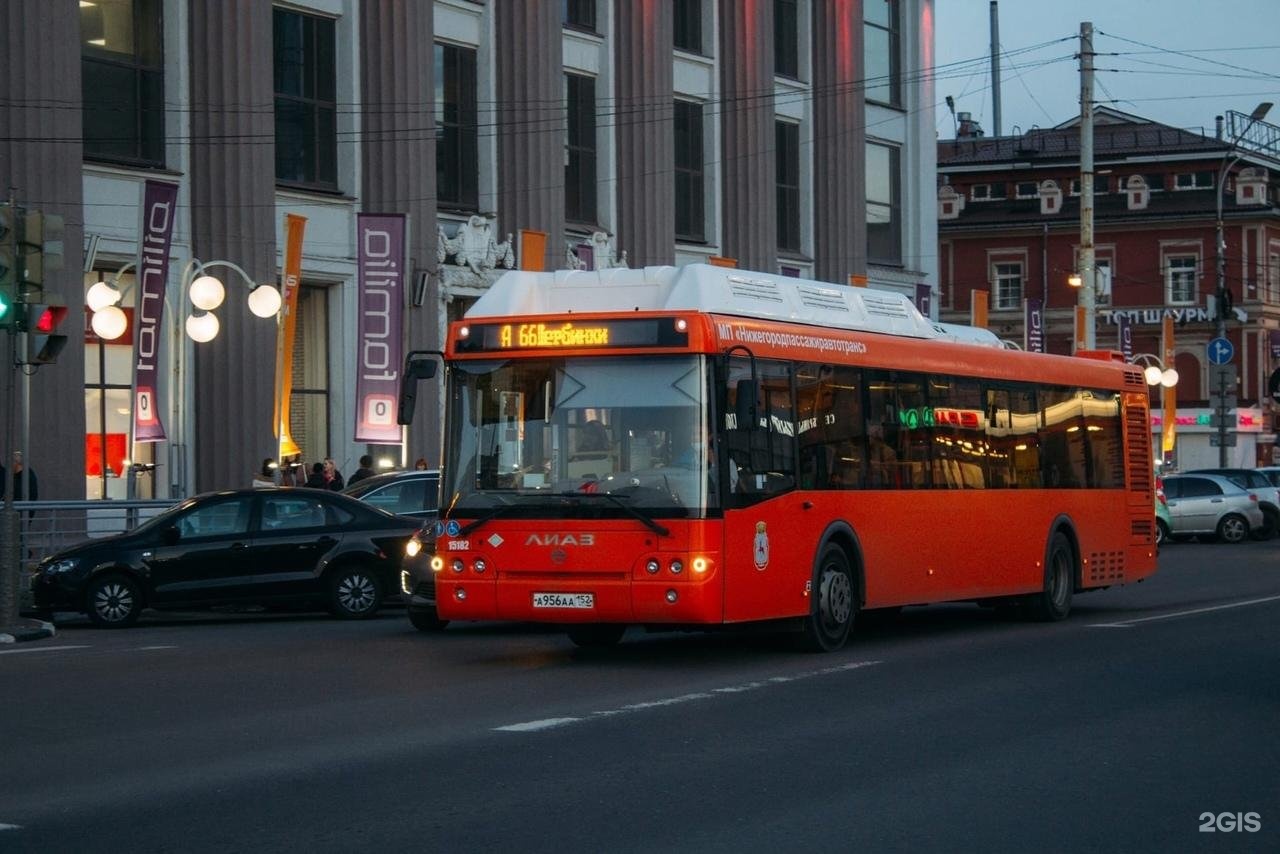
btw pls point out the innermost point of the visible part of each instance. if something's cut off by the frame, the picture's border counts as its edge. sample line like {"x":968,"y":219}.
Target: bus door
{"x":769,"y":538}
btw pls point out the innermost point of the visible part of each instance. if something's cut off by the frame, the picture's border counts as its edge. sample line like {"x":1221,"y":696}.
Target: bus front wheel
{"x":1054,"y":602}
{"x":835,"y":602}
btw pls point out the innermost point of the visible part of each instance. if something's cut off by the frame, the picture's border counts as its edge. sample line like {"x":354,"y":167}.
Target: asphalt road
{"x":1130,"y":727}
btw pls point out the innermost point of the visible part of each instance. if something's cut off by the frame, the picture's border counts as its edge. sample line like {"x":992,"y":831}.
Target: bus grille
{"x":1105,"y":568}
{"x":1143,"y":530}
{"x":1138,"y":435}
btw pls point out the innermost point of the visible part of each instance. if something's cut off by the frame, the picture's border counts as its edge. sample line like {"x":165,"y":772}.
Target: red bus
{"x":703,"y":446}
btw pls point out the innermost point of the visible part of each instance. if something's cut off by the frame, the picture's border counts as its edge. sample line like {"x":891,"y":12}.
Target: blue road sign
{"x":1220,"y":351}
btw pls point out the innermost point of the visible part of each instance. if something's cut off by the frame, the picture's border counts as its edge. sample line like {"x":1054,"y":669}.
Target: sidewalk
{"x":26,"y":629}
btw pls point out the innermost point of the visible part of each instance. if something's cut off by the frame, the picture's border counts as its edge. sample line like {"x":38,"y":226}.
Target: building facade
{"x":781,"y":134}
{"x":1009,"y":227}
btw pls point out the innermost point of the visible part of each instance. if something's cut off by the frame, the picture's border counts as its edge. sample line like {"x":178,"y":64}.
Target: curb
{"x":26,"y":630}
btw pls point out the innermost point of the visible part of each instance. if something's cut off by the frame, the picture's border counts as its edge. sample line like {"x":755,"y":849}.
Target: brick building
{"x":1009,"y":225}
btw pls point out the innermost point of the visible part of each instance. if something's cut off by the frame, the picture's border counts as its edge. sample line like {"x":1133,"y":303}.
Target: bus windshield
{"x":579,"y":438}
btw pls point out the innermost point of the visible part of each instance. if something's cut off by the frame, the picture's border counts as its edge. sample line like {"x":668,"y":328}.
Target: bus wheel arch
{"x":1062,"y":574}
{"x":837,"y":589}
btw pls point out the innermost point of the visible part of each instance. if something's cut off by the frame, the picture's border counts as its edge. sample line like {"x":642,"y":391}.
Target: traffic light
{"x":8,"y":263}
{"x":45,"y":341}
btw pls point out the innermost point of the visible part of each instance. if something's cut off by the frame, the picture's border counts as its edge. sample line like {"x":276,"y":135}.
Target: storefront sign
{"x":159,"y":209}
{"x":1154,"y":316}
{"x":380,"y":336}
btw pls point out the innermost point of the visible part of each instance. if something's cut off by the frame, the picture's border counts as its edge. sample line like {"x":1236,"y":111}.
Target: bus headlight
{"x":700,"y":565}
{"x":457,"y":565}
{"x":437,"y":563}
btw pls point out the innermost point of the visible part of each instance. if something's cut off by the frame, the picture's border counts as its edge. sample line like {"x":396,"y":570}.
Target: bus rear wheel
{"x":827,"y":627}
{"x":1054,"y":602}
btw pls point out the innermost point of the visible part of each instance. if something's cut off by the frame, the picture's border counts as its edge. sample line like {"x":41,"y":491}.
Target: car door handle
{"x":1215,"y":500}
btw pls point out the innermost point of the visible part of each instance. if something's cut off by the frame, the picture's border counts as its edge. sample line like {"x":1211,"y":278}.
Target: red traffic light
{"x":50,"y":318}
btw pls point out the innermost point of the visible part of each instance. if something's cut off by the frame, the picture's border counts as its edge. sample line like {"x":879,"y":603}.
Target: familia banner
{"x":380,"y":263}
{"x":155,"y":234}
{"x":1033,"y":325}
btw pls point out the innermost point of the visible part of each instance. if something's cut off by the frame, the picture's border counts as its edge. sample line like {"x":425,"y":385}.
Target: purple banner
{"x":159,"y":209}
{"x":380,"y":347}
{"x":1124,"y":327}
{"x":1033,"y":324}
{"x":924,"y":299}
{"x":1275,"y":344}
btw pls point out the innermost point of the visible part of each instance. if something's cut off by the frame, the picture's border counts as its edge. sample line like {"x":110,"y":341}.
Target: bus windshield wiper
{"x":649,"y":523}
{"x":492,"y":514}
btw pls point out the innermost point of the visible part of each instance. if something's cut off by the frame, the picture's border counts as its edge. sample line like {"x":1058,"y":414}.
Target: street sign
{"x":1223,"y":379}
{"x":1218,"y":440}
{"x":1219,"y":402}
{"x":1221,"y":419}
{"x":1220,"y":351}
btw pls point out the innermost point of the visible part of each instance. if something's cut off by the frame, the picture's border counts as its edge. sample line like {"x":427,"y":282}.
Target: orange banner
{"x":718,"y":261}
{"x":290,"y":277}
{"x":858,"y":281}
{"x":1170,"y":395}
{"x":533,"y":250}
{"x":1082,"y":318}
{"x":978,"y":309}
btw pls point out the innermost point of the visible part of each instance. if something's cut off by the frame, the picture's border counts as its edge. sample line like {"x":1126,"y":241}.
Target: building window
{"x":457,"y":146}
{"x":884,"y":217}
{"x":987,"y":192}
{"x":1155,"y":182}
{"x":1101,"y":185}
{"x":1008,"y":285}
{"x":309,"y":400}
{"x":1027,"y":190}
{"x":580,"y":149}
{"x":306,"y":112}
{"x":1193,"y":181}
{"x":1102,"y":289}
{"x":788,"y":176}
{"x":687,"y":25}
{"x":882,"y":50}
{"x":580,"y":14}
{"x":1180,"y":277}
{"x":122,"y":81}
{"x":690,"y":215}
{"x":786,"y":38}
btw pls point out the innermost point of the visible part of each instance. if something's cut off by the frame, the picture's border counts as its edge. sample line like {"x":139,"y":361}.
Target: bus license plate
{"x":564,"y":600}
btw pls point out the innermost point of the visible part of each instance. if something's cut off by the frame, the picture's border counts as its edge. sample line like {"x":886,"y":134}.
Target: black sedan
{"x":406,"y":493}
{"x":250,"y":546}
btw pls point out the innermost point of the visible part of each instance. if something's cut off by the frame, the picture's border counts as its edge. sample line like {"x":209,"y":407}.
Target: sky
{"x":1178,"y":62}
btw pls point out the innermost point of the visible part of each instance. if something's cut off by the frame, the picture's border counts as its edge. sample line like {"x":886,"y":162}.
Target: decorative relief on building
{"x":472,"y":253}
{"x":595,"y":253}
{"x":950,"y":203}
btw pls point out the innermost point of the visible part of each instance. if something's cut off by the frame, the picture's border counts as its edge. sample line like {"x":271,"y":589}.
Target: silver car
{"x":1211,"y":504}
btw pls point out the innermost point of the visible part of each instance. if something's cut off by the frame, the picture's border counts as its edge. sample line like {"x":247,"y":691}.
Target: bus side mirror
{"x":744,"y":404}
{"x":417,"y":366}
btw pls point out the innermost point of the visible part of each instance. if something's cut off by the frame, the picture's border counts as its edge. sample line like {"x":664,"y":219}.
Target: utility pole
{"x":995,"y":69}
{"x":1086,"y":264}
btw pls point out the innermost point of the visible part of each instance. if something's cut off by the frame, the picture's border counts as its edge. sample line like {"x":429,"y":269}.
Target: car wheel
{"x":1233,"y":528}
{"x":354,"y":592}
{"x":1053,"y":603}
{"x":426,"y":620}
{"x":828,"y":624}
{"x":113,"y":601}
{"x":597,"y":634}
{"x":1162,"y":532}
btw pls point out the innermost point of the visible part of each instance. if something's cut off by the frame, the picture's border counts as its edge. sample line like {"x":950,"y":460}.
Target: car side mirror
{"x":170,"y":535}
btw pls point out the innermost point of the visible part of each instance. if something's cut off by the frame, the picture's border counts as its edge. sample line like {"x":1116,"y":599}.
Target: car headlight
{"x":413,"y":547}
{"x":59,"y":566}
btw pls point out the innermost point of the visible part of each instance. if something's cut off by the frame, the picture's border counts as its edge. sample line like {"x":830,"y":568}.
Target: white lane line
{"x":10,"y":827}
{"x":551,"y":723}
{"x":1124,"y":624}
{"x":158,"y":646}
{"x":43,"y":648}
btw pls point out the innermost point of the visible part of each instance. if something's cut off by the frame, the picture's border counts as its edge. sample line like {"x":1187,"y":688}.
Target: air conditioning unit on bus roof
{"x":719,"y":290}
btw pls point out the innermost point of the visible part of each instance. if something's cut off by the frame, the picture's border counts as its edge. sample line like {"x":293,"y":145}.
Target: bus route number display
{"x":572,"y":335}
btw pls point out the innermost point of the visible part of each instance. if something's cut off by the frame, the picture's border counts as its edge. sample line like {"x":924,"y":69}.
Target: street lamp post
{"x":1228,"y":161}
{"x":1157,"y":375}
{"x":206,"y":293}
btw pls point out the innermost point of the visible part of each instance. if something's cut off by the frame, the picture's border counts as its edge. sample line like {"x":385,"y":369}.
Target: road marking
{"x":10,"y":827}
{"x":43,"y":649}
{"x":630,"y":708}
{"x":1124,"y":624}
{"x":159,"y":646}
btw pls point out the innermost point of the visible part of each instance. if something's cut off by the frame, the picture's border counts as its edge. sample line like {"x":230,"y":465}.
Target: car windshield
{"x":165,"y":517}
{"x":536,"y":438}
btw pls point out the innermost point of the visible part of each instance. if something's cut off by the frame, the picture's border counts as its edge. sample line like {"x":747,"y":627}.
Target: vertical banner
{"x":290,"y":279}
{"x":1033,"y":325}
{"x":1082,"y":319}
{"x":1170,"y":396}
{"x":978,"y":309}
{"x":1124,"y":328}
{"x":718,"y":261}
{"x":857,"y":281}
{"x":159,"y":207}
{"x":924,"y":299}
{"x":533,"y":250}
{"x":379,"y":332}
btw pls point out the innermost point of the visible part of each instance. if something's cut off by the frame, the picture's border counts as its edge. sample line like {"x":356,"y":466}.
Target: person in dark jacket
{"x":316,"y":480}
{"x":365,"y":470}
{"x":17,"y":480}
{"x":332,"y":477}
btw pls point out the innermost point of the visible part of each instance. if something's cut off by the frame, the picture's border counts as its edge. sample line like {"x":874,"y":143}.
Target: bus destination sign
{"x":573,"y":335}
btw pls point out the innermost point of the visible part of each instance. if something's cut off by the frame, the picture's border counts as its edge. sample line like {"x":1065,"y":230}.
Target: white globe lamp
{"x":202,"y":328}
{"x":264,"y":301}
{"x":109,"y":322}
{"x":1169,"y":378}
{"x":101,"y":295}
{"x":1153,"y":374}
{"x":207,"y":293}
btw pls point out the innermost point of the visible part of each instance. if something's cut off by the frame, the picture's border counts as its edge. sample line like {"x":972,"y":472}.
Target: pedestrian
{"x":332,"y":477}
{"x":365,"y":470}
{"x":421,"y":464}
{"x":265,"y":476}
{"x":18,"y":468}
{"x":316,"y":480}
